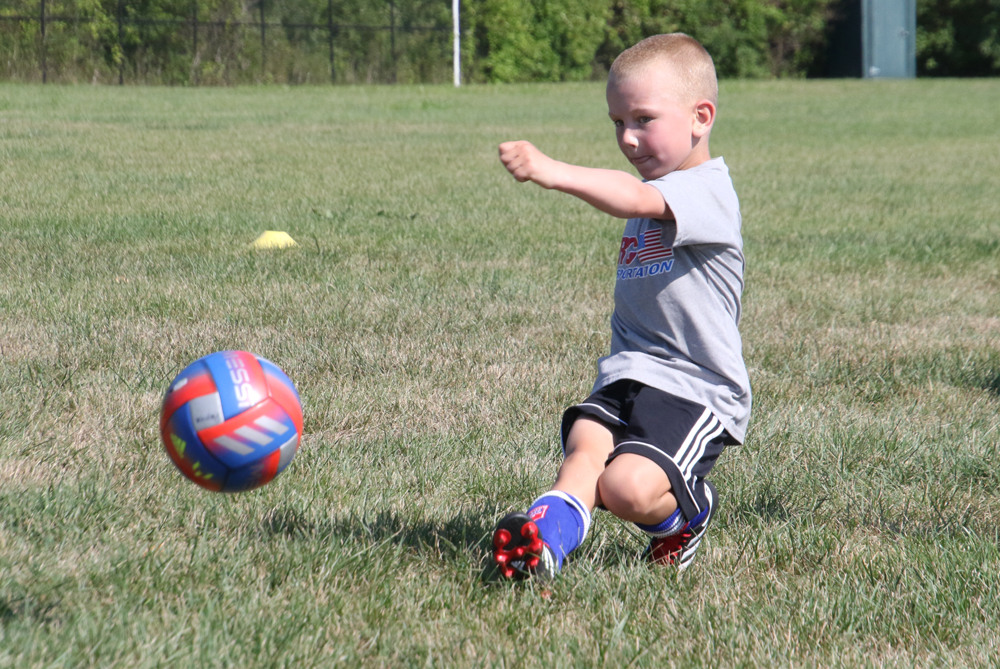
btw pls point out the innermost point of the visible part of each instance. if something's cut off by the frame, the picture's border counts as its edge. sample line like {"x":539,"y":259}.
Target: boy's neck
{"x":699,"y":154}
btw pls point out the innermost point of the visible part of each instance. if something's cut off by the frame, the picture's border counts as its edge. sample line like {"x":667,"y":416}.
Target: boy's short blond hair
{"x":684,"y":55}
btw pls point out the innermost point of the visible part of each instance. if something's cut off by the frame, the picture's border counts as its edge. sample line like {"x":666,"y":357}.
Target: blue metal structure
{"x":872,"y":39}
{"x":889,"y":38}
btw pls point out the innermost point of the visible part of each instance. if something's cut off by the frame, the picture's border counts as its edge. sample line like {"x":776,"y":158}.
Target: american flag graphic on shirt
{"x":646,"y":248}
{"x":651,"y":248}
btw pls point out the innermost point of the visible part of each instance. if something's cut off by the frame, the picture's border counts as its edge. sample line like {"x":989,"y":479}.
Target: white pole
{"x":457,"y":49}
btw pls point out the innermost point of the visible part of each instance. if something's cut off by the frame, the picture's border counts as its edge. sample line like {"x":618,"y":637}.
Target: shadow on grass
{"x":464,"y":531}
{"x":461,"y":537}
{"x":771,"y":502}
{"x":991,"y":384}
{"x":464,"y":537}
{"x":981,"y":373}
{"x":39,"y":607}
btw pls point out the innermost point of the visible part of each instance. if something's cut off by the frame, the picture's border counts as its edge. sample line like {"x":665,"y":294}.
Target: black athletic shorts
{"x":682,"y":437}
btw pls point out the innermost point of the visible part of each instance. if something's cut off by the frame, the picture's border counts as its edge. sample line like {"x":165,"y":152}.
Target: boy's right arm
{"x":613,"y":192}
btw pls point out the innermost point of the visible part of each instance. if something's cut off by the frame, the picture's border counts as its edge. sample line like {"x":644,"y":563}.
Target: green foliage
{"x":505,"y":40}
{"x":549,"y":40}
{"x":158,"y":44}
{"x":958,"y":37}
{"x":518,"y":41}
{"x":747,"y":38}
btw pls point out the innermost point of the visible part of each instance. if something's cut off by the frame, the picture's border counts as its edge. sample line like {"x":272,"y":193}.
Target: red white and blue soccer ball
{"x":231,"y":421}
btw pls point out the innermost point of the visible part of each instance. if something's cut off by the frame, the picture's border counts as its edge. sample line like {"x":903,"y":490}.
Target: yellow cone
{"x":273,"y":239}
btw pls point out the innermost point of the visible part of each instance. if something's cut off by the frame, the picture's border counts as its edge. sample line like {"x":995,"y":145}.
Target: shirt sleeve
{"x":705,"y":207}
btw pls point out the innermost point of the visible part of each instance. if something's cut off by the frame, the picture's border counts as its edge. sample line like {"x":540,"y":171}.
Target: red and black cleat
{"x":679,"y":549}
{"x":518,"y":548}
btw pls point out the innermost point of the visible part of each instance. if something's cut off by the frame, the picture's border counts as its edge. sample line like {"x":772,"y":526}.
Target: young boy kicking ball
{"x":674,"y":390}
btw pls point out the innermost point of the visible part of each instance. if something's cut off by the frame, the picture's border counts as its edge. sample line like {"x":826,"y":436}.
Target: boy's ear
{"x":704,"y":117}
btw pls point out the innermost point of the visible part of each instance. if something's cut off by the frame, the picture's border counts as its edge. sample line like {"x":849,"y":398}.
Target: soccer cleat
{"x":519,"y":551}
{"x":679,"y":549}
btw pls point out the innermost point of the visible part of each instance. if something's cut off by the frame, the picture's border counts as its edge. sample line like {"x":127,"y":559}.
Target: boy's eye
{"x":644,"y":119}
{"x":618,"y":123}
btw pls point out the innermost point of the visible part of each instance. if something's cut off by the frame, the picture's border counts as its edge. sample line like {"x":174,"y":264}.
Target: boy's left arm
{"x":613,"y":192}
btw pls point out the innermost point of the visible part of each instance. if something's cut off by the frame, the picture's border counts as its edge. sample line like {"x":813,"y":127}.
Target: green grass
{"x":436,"y":318}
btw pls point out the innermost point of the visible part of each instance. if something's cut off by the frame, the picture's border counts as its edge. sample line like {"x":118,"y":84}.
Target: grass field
{"x":436,"y":318}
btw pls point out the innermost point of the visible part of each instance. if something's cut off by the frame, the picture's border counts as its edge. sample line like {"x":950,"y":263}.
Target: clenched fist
{"x":526,"y":163}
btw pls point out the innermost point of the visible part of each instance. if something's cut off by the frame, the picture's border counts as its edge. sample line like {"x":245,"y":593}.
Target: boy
{"x":674,"y":390}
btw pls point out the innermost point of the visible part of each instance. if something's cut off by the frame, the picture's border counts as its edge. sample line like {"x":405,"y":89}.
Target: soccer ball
{"x":231,"y":421}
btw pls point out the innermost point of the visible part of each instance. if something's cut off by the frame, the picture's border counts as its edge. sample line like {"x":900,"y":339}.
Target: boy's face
{"x":656,"y":131}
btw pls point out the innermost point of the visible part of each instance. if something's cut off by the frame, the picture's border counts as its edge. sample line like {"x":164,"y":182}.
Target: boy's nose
{"x":629,"y":139}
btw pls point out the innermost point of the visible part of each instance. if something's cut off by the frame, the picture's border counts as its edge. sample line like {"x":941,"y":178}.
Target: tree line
{"x":311,"y":41}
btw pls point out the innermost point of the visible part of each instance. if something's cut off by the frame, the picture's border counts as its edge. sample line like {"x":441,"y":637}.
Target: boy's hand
{"x":526,"y":163}
{"x":611,"y":191}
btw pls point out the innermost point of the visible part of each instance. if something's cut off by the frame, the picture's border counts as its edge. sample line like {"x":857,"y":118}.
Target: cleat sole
{"x":517,"y":546}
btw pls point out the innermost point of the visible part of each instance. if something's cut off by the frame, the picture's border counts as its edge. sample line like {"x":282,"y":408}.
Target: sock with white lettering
{"x":563,"y":521}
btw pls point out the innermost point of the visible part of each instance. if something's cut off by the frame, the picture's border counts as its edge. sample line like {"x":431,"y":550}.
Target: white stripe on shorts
{"x":707,"y":433}
{"x":604,"y":411}
{"x":682,"y":451}
{"x":562,"y":437}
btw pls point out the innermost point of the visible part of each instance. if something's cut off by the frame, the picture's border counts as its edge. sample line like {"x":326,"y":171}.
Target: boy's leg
{"x":656,"y":475}
{"x":636,"y":489}
{"x":588,"y":446}
{"x":558,"y":521}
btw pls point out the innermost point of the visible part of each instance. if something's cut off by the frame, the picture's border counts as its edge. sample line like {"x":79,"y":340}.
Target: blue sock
{"x":674,"y":524}
{"x":563,"y":521}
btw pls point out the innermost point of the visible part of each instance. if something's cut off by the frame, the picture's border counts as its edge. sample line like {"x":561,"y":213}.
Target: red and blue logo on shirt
{"x":648,"y":253}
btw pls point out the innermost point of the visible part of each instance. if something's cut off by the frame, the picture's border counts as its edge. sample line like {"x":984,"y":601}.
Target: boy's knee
{"x":623,"y":493}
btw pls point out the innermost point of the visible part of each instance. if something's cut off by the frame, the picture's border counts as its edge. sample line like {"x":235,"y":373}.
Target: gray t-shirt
{"x":677,"y":298}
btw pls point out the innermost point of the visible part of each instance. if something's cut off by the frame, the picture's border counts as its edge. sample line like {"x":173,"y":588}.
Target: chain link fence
{"x":212,"y":42}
